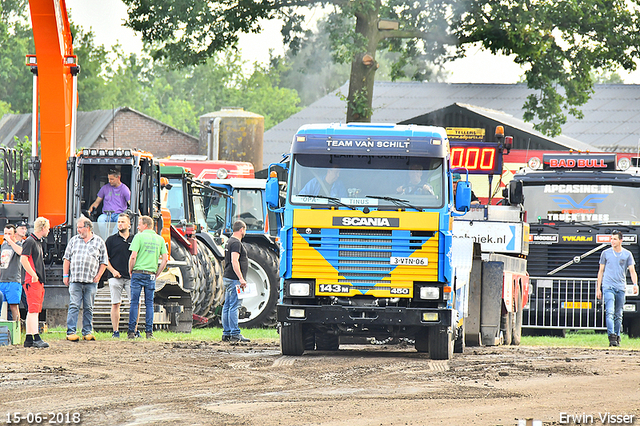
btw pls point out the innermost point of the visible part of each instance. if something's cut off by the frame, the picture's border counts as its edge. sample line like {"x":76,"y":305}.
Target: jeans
{"x":138,"y":281}
{"x":107,"y":224}
{"x":85,"y":294}
{"x":230,"y":308}
{"x":613,"y":305}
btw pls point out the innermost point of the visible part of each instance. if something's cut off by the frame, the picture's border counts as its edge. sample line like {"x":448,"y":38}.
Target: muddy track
{"x":211,"y":383}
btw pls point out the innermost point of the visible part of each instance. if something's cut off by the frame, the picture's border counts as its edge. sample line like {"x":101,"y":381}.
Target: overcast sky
{"x":105,"y":18}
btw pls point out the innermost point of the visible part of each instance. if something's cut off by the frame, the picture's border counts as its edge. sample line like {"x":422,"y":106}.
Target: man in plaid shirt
{"x":85,"y":259}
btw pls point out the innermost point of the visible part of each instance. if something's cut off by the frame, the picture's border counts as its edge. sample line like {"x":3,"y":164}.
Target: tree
{"x":560,"y":41}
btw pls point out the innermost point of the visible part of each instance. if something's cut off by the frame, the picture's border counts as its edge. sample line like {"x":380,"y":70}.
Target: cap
{"x":23,"y":223}
{"x":456,"y":177}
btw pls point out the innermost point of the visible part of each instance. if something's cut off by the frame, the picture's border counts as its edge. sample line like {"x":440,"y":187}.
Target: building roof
{"x":611,"y":118}
{"x":91,"y":125}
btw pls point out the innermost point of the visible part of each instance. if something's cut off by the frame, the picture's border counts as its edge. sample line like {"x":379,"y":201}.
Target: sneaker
{"x":149,"y":334}
{"x":239,"y":339}
{"x":40,"y":344}
{"x":116,"y":335}
{"x":613,"y":340}
{"x":88,"y":337}
{"x":28,"y":343}
{"x":226,"y":338}
{"x":131,"y":335}
{"x":73,"y":337}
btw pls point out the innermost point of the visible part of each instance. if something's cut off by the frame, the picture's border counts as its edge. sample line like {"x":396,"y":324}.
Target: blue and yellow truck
{"x":366,"y":242}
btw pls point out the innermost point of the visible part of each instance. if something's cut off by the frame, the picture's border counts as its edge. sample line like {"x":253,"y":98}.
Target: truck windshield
{"x":352,"y":178}
{"x":582,"y":203}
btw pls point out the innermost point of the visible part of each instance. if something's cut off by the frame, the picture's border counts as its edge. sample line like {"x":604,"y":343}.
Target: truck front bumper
{"x":354,"y":315}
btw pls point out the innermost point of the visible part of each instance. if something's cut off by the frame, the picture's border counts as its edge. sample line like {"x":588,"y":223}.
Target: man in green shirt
{"x":146,"y":248}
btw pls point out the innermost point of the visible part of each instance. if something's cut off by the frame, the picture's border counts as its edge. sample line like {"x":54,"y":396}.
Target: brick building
{"x":118,"y":128}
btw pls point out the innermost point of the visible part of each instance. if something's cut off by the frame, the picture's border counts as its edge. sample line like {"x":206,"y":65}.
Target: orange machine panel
{"x":52,"y":38}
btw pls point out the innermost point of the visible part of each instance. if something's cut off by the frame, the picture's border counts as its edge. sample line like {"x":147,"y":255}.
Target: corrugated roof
{"x":91,"y":124}
{"x":611,"y":117}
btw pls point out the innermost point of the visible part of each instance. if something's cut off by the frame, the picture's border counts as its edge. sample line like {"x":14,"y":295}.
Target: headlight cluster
{"x":430,"y":293}
{"x":298,"y":289}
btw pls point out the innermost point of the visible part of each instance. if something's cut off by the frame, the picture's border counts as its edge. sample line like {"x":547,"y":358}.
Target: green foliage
{"x":562,"y":42}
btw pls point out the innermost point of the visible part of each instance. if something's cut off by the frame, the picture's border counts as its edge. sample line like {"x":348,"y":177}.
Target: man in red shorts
{"x":33,"y":264}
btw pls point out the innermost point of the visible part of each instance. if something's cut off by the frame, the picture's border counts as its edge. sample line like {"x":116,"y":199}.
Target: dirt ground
{"x":213,"y":383}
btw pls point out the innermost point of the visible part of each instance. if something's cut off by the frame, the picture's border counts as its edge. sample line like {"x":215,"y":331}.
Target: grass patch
{"x":582,"y":339}
{"x":197,"y":334}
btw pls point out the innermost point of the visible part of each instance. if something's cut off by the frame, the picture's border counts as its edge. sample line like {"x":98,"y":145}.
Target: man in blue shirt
{"x":612,"y":282}
{"x":329,"y":186}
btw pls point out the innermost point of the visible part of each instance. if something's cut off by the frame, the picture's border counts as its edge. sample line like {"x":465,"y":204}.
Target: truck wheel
{"x":422,"y":340}
{"x":634,"y":329}
{"x":440,"y":343}
{"x":516,"y":333}
{"x":263,"y":271}
{"x":291,"y":342}
{"x":459,"y":344}
{"x":327,"y":342}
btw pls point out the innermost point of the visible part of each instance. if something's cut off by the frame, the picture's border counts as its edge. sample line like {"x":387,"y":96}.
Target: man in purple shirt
{"x":116,"y":196}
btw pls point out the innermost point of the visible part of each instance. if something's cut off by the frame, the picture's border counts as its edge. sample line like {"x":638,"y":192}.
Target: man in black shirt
{"x":119,"y":253}
{"x":236,"y":264}
{"x":34,"y":278}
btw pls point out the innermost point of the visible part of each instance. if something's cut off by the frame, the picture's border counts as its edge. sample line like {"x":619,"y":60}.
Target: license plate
{"x":334,"y":288}
{"x":629,"y":308}
{"x":576,"y":305}
{"x":410,"y":261}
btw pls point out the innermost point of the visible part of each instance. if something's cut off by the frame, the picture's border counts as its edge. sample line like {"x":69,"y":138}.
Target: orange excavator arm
{"x":54,"y":54}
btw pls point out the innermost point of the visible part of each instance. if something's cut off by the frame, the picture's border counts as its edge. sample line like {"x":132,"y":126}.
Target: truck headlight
{"x":430,"y":293}
{"x":299,"y":289}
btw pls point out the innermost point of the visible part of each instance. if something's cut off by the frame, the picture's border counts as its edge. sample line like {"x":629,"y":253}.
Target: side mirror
{"x":516,"y":193}
{"x":272,"y":193}
{"x":463,"y":196}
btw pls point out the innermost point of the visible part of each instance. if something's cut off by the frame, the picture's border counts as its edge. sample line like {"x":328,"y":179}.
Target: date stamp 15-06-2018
{"x":31,"y":418}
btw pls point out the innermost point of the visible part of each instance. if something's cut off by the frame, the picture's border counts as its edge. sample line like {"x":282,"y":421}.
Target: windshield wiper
{"x":575,"y":222}
{"x":333,"y":199}
{"x":397,"y":201}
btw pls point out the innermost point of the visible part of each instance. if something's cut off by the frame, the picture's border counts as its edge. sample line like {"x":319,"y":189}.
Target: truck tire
{"x":327,"y":342}
{"x":516,"y":332}
{"x":291,"y":341}
{"x":440,"y":343}
{"x":309,"y":339}
{"x":263,"y":271}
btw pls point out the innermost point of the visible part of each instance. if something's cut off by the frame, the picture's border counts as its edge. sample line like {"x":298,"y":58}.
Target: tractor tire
{"x":506,"y":326}
{"x":440,"y":343}
{"x":291,"y":340}
{"x":189,"y":273}
{"x":206,"y":276}
{"x":218,"y":285}
{"x":263,"y":271}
